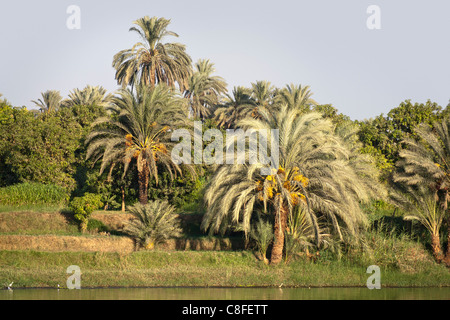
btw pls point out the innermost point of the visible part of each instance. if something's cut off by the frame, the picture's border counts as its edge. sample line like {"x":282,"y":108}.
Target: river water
{"x":228,"y":294}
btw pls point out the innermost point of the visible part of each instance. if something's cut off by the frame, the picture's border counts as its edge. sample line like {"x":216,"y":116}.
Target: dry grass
{"x":51,"y":243}
{"x":36,"y":223}
{"x":114,"y":221}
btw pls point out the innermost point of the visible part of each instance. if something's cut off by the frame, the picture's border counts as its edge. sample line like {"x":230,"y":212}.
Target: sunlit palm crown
{"x":237,"y":106}
{"x":138,"y":129}
{"x":318,"y":169}
{"x":151,"y":61}
{"x":204,"y":90}
{"x":262,"y":92}
{"x":296,"y":96}
{"x":426,"y":161}
{"x":419,"y":203}
{"x":89,"y":96}
{"x":50,"y":102}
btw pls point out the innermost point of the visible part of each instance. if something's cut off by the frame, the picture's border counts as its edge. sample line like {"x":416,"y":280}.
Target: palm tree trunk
{"x":123,"y":198}
{"x":279,"y":229}
{"x":436,"y":247}
{"x":447,"y":255}
{"x":143,"y":184}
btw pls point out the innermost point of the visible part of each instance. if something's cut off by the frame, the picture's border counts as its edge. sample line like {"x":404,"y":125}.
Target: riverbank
{"x":30,"y":269}
{"x":36,"y":248}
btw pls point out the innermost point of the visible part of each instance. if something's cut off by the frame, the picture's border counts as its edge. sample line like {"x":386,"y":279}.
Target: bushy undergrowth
{"x":82,"y":208}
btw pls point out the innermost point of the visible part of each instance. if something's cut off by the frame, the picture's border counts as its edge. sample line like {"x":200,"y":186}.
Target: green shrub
{"x":262,"y":233}
{"x":97,"y":226}
{"x":31,"y":193}
{"x":82,"y":208}
{"x":154,"y":223}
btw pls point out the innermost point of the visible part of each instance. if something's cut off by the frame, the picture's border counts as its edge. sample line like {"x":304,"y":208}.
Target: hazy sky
{"x":325,"y":44}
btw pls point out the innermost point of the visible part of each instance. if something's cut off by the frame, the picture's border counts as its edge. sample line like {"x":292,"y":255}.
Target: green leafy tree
{"x":39,"y":149}
{"x":386,"y":133}
{"x":151,"y":61}
{"x":82,"y":208}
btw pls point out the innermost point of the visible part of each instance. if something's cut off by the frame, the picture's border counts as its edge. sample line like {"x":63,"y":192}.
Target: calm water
{"x":228,"y":294}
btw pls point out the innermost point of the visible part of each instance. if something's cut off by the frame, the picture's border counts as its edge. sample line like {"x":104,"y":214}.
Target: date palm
{"x":204,"y":90}
{"x":314,"y":171}
{"x":152,"y":61}
{"x":89,"y":96}
{"x":139,"y":130}
{"x":153,"y":223}
{"x":236,"y":107}
{"x":50,"y":102}
{"x":263,"y":93}
{"x":426,"y":162}
{"x":296,"y":96}
{"x":420,"y":204}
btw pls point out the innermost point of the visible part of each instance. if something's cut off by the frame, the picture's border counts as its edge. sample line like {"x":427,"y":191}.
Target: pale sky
{"x":325,"y":44}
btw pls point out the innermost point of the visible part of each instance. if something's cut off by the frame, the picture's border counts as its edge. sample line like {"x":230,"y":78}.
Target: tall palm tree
{"x":50,"y":102}
{"x":314,"y":172}
{"x":204,"y":90}
{"x":236,"y":107}
{"x":89,"y":96}
{"x":151,"y":61}
{"x":139,"y":130}
{"x":296,"y":96}
{"x":426,"y":162}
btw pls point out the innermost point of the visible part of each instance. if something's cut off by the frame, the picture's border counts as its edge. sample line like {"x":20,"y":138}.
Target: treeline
{"x":47,"y":145}
{"x":114,"y":149}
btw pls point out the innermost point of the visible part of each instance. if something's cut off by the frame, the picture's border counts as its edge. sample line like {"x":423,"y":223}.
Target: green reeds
{"x":25,"y":194}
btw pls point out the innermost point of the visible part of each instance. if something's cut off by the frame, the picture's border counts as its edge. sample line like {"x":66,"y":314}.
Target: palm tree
{"x":314,"y":171}
{"x":151,"y":61}
{"x":236,"y":107}
{"x":139,"y":129}
{"x":426,"y":162}
{"x":89,"y":96}
{"x":153,"y":223}
{"x":50,"y":102}
{"x":204,"y":90}
{"x":296,"y":96}
{"x":420,"y":204}
{"x":263,"y":93}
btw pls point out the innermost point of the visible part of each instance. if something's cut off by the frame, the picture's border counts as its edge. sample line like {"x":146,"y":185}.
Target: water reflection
{"x":228,"y":294}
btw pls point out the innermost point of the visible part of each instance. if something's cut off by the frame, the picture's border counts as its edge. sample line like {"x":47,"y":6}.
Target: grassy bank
{"x":202,"y":268}
{"x":36,"y":248}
